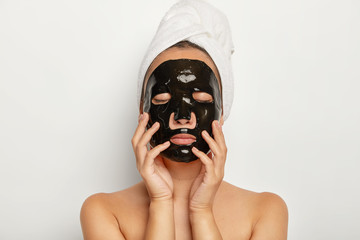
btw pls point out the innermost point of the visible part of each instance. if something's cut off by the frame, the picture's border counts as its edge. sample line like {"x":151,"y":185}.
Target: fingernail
{"x":218,"y":124}
{"x":195,"y":149}
{"x":156,"y":124}
{"x":167,"y":143}
{"x":140,"y":117}
{"x":206,"y":133}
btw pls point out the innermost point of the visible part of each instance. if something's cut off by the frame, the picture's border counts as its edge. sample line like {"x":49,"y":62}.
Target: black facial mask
{"x":181,"y":78}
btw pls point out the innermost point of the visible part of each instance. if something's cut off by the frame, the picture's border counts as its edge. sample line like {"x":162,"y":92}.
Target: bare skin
{"x":183,"y":200}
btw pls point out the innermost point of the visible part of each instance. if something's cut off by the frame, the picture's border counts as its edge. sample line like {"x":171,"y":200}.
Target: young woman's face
{"x":183,"y":94}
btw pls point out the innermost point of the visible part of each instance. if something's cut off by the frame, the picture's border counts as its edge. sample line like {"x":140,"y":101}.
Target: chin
{"x":182,"y":153}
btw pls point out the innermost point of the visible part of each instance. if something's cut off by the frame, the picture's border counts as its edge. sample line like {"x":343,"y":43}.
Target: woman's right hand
{"x":149,"y":164}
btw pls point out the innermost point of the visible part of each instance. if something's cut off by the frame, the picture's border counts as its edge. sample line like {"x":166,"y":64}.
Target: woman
{"x":183,"y":195}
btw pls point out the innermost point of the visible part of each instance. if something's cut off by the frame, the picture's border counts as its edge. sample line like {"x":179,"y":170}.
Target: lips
{"x":183,"y":139}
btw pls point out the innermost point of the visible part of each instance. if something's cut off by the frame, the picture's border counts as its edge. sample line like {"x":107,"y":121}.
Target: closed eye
{"x":203,"y":97}
{"x":161,"y":98}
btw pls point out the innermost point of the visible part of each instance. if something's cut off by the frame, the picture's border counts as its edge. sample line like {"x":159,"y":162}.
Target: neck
{"x":183,"y":175}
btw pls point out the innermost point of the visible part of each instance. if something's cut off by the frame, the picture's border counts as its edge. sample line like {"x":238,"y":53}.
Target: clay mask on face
{"x":182,"y":78}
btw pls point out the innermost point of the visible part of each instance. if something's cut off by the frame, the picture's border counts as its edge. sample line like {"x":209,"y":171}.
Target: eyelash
{"x":206,"y":101}
{"x":160,"y":101}
{"x":165,"y":101}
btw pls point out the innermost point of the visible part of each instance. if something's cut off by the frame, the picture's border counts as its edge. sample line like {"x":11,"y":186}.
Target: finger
{"x":218,"y":134}
{"x":163,"y":171}
{"x":140,"y":148}
{"x":153,"y":153}
{"x":220,"y":157}
{"x":140,"y":130}
{"x":148,"y":134}
{"x":211,"y":142}
{"x":159,"y":161}
{"x":208,"y":163}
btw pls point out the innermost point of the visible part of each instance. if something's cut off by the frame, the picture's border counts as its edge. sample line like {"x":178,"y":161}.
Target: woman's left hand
{"x":206,"y":184}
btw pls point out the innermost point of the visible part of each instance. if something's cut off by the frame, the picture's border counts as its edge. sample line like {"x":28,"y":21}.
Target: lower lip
{"x":182,"y":141}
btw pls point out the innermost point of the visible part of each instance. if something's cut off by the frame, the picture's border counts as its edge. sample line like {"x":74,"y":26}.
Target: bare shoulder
{"x":134,"y":195}
{"x":96,"y":218}
{"x":263,"y":201}
{"x":271,"y":203}
{"x":267,"y":212}
{"x":272,"y":221}
{"x":111,"y":212}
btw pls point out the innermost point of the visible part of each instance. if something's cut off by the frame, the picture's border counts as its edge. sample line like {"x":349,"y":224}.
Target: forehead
{"x":181,"y":53}
{"x":182,"y":75}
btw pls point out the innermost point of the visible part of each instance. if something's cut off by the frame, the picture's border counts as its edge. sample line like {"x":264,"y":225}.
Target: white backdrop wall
{"x":68,"y":110}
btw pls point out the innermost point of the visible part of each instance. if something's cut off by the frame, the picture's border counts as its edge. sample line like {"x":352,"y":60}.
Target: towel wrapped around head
{"x":198,"y":22}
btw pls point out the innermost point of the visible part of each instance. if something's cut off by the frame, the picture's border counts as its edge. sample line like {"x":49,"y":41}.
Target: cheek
{"x":161,"y":114}
{"x":205,"y":115}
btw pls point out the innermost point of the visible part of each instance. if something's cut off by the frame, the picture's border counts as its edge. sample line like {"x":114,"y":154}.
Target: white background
{"x":68,"y":109}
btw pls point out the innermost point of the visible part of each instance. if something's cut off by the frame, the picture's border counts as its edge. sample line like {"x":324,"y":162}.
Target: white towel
{"x":201,"y":23}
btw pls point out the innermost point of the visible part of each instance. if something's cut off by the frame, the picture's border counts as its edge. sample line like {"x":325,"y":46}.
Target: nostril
{"x":182,"y":116}
{"x":182,"y":121}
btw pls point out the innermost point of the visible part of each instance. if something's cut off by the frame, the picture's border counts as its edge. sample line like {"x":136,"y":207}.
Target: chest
{"x":231,"y":224}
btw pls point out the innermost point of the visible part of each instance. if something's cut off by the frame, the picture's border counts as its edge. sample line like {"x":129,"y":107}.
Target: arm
{"x":203,"y":225}
{"x":97,"y":222}
{"x":273,"y":222}
{"x":205,"y":186}
{"x":157,"y":180}
{"x":161,"y":220}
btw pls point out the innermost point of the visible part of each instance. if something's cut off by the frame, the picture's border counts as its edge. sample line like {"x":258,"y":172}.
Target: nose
{"x":183,"y":109}
{"x":189,"y":122}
